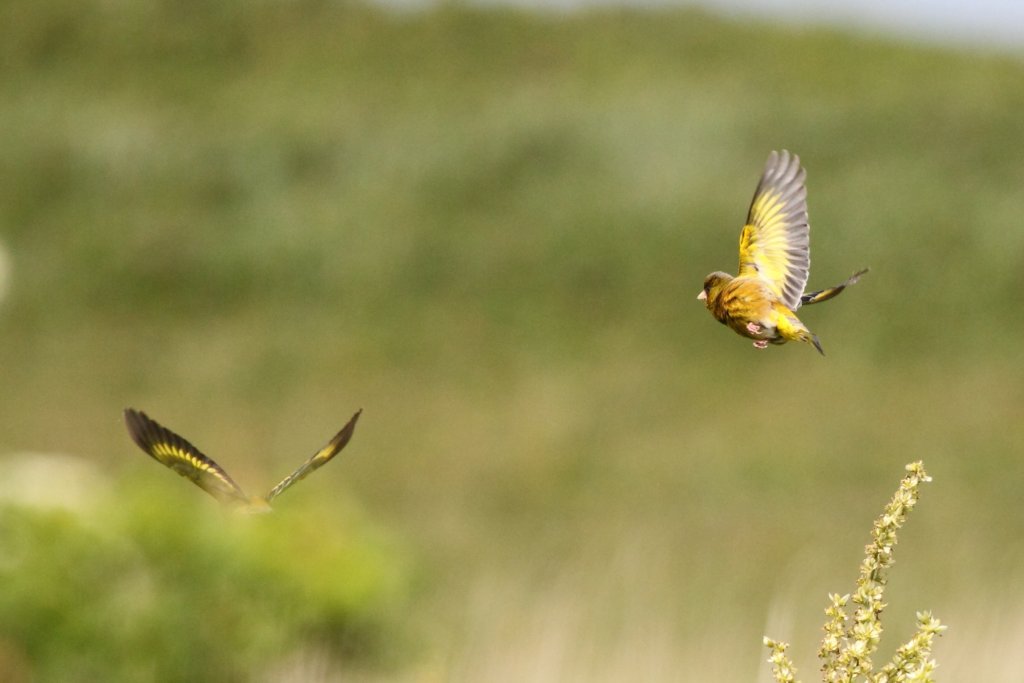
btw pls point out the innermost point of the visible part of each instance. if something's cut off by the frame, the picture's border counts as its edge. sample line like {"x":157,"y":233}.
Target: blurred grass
{"x":486,"y":228}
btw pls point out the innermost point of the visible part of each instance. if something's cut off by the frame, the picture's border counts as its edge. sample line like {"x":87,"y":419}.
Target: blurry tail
{"x":826,"y":294}
{"x":790,"y":327}
{"x":817,"y":344}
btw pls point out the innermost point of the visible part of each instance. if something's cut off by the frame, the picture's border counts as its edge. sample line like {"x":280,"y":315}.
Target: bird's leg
{"x":761,"y":343}
{"x":754,"y":328}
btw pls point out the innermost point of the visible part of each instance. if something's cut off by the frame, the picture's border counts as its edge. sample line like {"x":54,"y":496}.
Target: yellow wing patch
{"x":775,"y":242}
{"x":178,"y":454}
{"x":318,"y":459}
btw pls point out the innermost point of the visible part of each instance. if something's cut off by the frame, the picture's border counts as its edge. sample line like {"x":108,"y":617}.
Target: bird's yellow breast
{"x":744,"y":299}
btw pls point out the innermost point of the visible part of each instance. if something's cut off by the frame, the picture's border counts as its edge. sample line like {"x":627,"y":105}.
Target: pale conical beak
{"x":702,"y":296}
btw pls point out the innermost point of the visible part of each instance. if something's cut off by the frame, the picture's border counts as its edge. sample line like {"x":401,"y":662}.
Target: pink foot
{"x":761,"y":344}
{"x":754,"y":328}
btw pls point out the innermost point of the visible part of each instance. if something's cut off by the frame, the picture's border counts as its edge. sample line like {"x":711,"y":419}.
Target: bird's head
{"x":713,"y":285}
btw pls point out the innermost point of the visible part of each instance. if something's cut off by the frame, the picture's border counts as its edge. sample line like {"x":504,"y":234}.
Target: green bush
{"x":146,"y":590}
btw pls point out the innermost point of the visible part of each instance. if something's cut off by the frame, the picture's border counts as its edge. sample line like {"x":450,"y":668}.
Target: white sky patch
{"x":986,"y":24}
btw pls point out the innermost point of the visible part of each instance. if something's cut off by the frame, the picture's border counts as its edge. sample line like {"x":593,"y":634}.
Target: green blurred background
{"x":486,"y":228}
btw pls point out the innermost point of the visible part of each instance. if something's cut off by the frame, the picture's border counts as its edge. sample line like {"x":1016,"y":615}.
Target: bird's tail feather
{"x":817,"y":344}
{"x":831,"y":292}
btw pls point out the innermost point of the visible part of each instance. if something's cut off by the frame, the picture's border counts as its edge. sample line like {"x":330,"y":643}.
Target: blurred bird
{"x":760,"y":302}
{"x":178,"y":454}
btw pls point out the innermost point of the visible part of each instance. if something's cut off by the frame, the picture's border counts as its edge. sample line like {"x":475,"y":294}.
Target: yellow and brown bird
{"x":761,"y":301}
{"x":175,"y":452}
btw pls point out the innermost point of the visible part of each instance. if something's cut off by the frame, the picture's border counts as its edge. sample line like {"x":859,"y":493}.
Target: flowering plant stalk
{"x":851,"y":639}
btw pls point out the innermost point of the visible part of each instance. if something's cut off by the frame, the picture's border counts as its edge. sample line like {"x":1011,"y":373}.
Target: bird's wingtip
{"x":132,"y":416}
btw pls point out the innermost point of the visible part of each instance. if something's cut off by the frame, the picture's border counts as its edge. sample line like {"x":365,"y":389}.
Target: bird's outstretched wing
{"x":318,"y":459}
{"x":775,"y":243}
{"x":826,"y":294}
{"x":175,"y":452}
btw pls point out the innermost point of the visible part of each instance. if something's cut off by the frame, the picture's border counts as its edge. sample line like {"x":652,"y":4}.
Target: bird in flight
{"x":761,"y":301}
{"x":175,"y":452}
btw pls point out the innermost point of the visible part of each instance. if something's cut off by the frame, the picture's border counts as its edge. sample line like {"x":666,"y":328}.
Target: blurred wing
{"x":775,"y":243}
{"x":320,"y":458}
{"x":826,"y":294}
{"x":175,"y":452}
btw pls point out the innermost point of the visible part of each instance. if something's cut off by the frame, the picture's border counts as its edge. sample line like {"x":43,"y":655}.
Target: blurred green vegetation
{"x":486,"y":228}
{"x":129,"y":592}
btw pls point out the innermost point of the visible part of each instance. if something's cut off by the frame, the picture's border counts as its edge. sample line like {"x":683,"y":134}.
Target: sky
{"x":991,"y":24}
